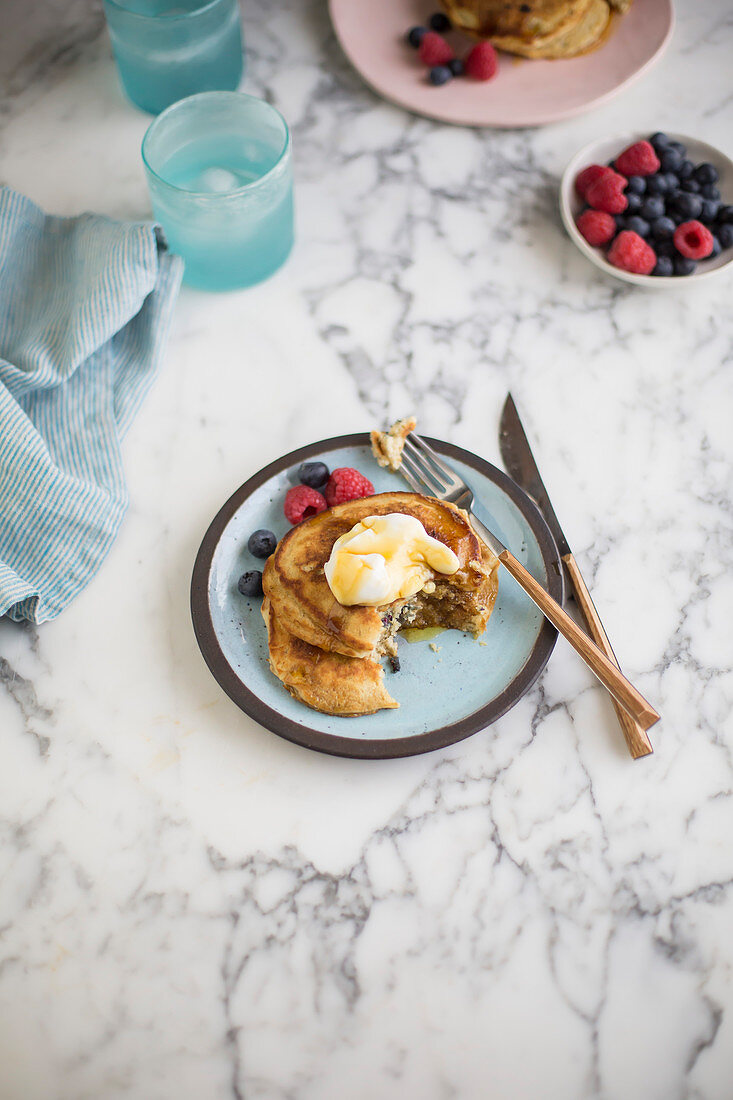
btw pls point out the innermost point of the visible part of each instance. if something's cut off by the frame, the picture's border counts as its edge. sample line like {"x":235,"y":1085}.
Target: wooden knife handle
{"x":607,"y":672}
{"x":636,"y":737}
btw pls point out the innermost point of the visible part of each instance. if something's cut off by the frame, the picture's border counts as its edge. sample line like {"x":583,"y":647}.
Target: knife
{"x":520,"y":463}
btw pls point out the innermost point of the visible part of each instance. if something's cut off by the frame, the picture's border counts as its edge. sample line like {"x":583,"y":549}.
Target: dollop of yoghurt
{"x":385,"y":558}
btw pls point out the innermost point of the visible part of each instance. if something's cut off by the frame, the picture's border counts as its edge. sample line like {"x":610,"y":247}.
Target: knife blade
{"x":522,"y":467}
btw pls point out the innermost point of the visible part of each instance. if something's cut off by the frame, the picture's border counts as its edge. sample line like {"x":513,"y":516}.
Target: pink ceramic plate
{"x":524,"y":93}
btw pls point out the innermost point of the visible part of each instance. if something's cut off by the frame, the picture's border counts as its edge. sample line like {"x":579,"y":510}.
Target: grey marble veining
{"x":190,"y":907}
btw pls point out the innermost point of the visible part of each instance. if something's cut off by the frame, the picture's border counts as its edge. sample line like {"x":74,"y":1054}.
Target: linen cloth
{"x":85,"y":308}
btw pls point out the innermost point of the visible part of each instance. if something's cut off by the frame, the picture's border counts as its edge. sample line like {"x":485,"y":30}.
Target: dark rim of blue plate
{"x":381,"y":748}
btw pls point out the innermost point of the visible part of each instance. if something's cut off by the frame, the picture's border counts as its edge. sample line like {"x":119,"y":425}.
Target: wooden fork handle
{"x":636,"y":738}
{"x":607,"y":672}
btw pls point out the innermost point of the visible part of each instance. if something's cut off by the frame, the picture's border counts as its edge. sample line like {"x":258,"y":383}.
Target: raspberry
{"x":596,"y":226}
{"x":301,"y":502}
{"x":607,"y":193}
{"x":434,"y":50}
{"x":588,"y":176}
{"x":630,"y":252}
{"x":638,"y":160}
{"x":345,"y":483}
{"x":693,"y":240}
{"x":482,"y":61}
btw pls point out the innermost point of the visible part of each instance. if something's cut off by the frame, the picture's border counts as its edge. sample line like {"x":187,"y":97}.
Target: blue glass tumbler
{"x":220,"y":177}
{"x":168,"y":49}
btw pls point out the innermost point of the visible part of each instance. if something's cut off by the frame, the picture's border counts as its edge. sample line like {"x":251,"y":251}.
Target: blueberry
{"x":664,"y":266}
{"x":261,"y":543}
{"x":665,"y":247}
{"x":710,"y":191}
{"x":725,"y":235}
{"x":710,"y":210}
{"x":652,"y":207}
{"x":456,"y":66}
{"x":250,"y":584}
{"x":314,"y":474}
{"x":636,"y":185}
{"x":439,"y":22}
{"x":686,"y":169}
{"x":440,"y":74}
{"x":683,"y":266}
{"x":660,"y":141}
{"x":673,"y":181}
{"x":706,"y":173}
{"x":717,"y":248}
{"x":662,"y":229}
{"x":678,"y":148}
{"x":671,"y":160}
{"x":691,"y":185}
{"x":687,"y":205}
{"x":415,"y":36}
{"x":638,"y":225}
{"x":620,"y":222}
{"x":725,"y":214}
{"x":657,"y":184}
{"x":634,"y":202}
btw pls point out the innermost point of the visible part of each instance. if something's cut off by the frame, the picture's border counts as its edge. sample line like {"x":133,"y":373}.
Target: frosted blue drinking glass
{"x":168,"y":49}
{"x":220,"y":176}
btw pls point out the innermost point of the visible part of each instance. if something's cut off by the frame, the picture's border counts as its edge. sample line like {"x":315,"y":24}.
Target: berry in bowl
{"x":651,"y":209}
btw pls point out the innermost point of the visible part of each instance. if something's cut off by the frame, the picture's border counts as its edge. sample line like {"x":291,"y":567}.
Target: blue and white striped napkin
{"x":85,"y":308}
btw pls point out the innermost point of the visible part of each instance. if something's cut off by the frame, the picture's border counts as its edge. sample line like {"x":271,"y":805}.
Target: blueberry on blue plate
{"x":250,"y":583}
{"x":664,"y":266}
{"x":687,"y":205}
{"x":634,"y":202}
{"x":686,"y":169}
{"x":710,"y":191}
{"x":261,"y":543}
{"x":657,"y":184}
{"x":706,"y":173}
{"x":638,"y":225}
{"x":683,"y":266}
{"x":710,"y":209}
{"x":717,"y":248}
{"x":725,"y":214}
{"x":314,"y":474}
{"x":690,"y":185}
{"x":440,"y":74}
{"x":415,"y":36}
{"x":662,"y":229}
{"x":636,"y":185}
{"x":652,"y":207}
{"x":456,"y":66}
{"x":660,"y":141}
{"x":671,"y":160}
{"x":439,"y":22}
{"x":725,"y":234}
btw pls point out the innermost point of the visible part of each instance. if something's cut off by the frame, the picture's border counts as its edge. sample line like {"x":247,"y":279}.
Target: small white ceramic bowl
{"x":601,"y":152}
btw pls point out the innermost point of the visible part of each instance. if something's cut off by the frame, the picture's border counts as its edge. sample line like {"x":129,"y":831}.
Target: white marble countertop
{"x":193,"y":908}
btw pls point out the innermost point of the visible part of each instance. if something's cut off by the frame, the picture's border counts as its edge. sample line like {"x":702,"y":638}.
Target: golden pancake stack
{"x":329,"y":656}
{"x":536,"y":28}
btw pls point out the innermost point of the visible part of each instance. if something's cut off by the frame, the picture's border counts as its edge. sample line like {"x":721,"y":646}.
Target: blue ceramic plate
{"x":444,"y":696}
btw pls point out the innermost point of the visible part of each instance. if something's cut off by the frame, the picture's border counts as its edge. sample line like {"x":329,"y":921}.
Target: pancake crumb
{"x":387,"y":446}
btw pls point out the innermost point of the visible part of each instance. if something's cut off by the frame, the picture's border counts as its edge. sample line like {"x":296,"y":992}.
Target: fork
{"x":426,"y":473}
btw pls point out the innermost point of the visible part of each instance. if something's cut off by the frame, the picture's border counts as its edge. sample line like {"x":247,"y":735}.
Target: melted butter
{"x":385,"y":558}
{"x":421,"y":633}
